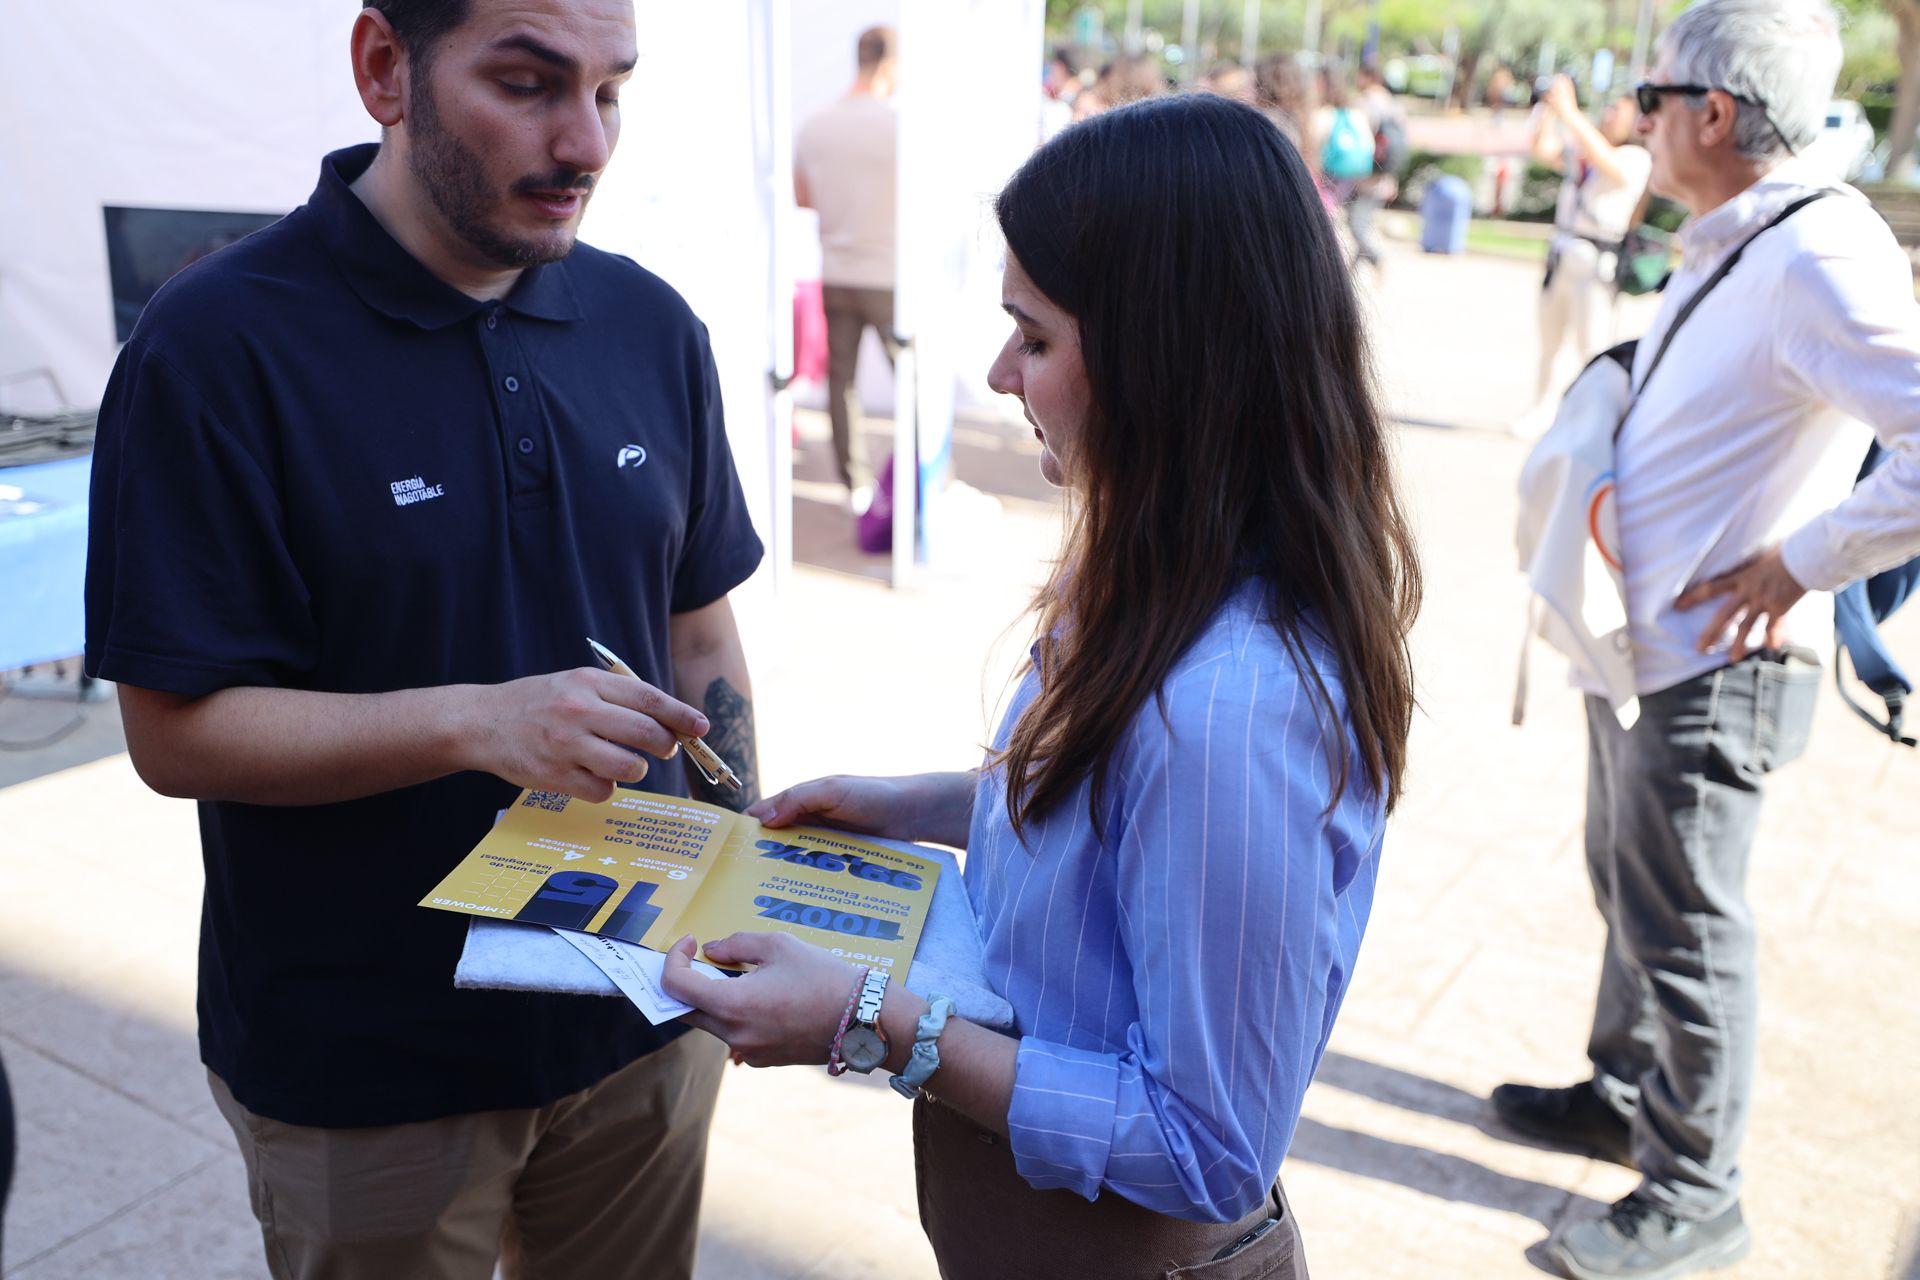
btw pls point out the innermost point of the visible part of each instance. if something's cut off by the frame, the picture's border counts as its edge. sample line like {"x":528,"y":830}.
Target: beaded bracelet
{"x":835,"y":1066}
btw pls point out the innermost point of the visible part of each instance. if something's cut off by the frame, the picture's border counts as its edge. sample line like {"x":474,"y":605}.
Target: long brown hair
{"x":1233,"y":432}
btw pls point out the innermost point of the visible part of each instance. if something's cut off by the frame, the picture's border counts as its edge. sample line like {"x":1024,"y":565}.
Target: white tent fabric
{"x":984,"y":54}
{"x":228,"y":105}
{"x":212,"y":104}
{"x":969,"y":104}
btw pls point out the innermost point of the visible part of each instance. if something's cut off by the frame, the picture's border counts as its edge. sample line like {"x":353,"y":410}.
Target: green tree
{"x":1503,"y":29}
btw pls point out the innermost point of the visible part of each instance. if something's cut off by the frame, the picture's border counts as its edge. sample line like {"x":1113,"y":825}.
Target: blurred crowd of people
{"x":1345,"y":122}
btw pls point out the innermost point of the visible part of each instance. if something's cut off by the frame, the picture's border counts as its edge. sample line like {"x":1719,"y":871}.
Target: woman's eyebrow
{"x":1019,"y":316}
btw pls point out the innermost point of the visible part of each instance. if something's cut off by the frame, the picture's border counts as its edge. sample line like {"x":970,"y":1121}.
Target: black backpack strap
{"x":1700,"y":294}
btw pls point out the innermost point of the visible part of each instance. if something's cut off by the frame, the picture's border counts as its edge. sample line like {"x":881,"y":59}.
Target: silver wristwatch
{"x":864,"y":1047}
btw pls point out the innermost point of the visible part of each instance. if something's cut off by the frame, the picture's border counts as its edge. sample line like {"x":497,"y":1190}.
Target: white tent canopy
{"x":228,"y":105}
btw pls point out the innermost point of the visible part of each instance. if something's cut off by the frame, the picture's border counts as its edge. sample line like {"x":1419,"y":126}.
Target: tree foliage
{"x":1882,"y":37}
{"x":1506,"y":27}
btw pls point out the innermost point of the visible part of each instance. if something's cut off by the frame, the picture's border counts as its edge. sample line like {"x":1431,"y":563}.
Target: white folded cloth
{"x":949,"y":960}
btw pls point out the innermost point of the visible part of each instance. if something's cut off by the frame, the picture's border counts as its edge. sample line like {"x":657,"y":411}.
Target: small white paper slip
{"x":636,"y":971}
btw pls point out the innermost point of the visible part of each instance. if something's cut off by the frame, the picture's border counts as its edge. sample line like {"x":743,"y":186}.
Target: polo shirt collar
{"x":392,"y":281}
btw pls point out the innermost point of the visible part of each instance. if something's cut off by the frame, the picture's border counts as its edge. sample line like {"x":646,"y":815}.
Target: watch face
{"x":862,"y":1048}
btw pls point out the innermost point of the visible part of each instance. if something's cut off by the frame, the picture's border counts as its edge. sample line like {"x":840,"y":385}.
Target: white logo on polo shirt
{"x":414,"y":489}
{"x":631,"y":455}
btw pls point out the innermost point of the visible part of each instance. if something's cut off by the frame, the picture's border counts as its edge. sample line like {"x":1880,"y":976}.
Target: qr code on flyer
{"x":551,"y":801}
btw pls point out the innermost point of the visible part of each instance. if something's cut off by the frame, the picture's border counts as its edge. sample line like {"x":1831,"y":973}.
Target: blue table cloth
{"x":43,"y":561}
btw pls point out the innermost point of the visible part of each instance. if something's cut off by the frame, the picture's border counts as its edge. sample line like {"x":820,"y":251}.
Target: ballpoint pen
{"x":704,"y":757}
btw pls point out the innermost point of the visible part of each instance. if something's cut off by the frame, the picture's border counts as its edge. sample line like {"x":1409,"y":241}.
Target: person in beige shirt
{"x":844,"y":163}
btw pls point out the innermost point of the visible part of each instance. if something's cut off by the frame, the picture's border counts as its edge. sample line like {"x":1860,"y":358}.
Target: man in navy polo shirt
{"x":363,"y":484}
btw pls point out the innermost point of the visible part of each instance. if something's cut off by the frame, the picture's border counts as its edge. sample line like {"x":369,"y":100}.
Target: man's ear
{"x":380,"y":68}
{"x":1718,"y":118}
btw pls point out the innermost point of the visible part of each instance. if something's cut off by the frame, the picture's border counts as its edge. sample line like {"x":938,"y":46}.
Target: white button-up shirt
{"x":1754,"y":427}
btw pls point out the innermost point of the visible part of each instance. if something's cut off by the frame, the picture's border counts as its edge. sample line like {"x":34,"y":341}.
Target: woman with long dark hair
{"x":1172,"y":846}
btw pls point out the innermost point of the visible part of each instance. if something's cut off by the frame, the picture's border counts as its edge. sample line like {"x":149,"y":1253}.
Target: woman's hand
{"x":922,"y":806}
{"x":784,"y":1012}
{"x":1563,"y":98}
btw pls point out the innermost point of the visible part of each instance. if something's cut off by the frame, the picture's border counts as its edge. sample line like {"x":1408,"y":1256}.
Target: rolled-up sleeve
{"x":1241,"y":905}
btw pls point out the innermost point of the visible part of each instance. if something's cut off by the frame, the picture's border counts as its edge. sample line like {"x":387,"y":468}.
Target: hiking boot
{"x":1638,"y":1240}
{"x":1573,"y":1116}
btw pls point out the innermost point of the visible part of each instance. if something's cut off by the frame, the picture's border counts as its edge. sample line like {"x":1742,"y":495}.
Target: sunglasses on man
{"x":1647,"y":95}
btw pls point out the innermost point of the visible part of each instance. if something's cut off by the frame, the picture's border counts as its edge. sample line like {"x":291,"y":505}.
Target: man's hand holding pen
{"x":579,"y":731}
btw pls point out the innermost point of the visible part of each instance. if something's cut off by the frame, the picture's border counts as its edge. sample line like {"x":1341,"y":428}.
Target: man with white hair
{"x":1737,"y":516}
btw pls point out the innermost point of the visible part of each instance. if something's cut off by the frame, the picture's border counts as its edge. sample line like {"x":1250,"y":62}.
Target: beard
{"x":456,"y":180}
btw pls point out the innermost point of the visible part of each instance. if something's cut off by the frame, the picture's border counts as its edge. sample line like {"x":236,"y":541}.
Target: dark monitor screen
{"x":146,"y":246}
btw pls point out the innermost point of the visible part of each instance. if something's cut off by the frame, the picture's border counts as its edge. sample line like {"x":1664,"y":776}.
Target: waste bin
{"x":1444,"y":212}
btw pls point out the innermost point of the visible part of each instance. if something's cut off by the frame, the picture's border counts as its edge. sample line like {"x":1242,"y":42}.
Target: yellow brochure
{"x":651,"y":869}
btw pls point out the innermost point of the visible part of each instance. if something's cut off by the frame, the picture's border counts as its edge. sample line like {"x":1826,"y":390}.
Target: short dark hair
{"x":418,"y":23}
{"x":877,"y":45}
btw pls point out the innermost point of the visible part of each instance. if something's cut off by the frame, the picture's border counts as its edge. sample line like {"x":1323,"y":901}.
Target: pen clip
{"x":711,"y":766}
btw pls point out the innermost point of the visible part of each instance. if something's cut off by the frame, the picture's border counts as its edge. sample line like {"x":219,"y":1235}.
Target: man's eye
{"x":520,"y":90}
{"x":609,"y":100}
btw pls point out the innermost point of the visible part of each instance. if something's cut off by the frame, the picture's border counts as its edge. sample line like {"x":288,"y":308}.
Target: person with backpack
{"x":1388,"y":124}
{"x":1755,"y":396}
{"x":1343,"y":141}
{"x":1604,"y":177}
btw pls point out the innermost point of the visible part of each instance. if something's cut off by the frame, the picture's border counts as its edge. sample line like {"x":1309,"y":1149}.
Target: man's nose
{"x":586,"y":135}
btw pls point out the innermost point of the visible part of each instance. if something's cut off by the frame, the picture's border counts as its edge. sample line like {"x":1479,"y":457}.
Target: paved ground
{"x":1479,"y":965}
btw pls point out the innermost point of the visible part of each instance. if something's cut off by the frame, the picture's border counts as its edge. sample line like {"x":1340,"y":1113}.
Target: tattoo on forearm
{"x":731,"y":716}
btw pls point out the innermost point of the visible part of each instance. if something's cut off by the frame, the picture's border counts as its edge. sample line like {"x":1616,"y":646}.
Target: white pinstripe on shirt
{"x":1175,"y":983}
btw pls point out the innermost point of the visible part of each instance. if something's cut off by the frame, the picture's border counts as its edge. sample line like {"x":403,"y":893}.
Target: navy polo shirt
{"x":320,"y":467}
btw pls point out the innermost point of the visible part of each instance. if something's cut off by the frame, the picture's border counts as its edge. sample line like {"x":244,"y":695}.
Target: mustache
{"x":569,"y":180}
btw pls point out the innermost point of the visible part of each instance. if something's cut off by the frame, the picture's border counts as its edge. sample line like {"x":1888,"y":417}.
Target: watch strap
{"x":873,"y":993}
{"x":868,"y":1002}
{"x":835,"y":1064}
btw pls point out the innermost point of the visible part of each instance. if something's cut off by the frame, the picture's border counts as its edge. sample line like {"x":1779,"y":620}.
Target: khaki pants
{"x":603,"y":1183}
{"x":849,"y":312}
{"x":986,"y":1223}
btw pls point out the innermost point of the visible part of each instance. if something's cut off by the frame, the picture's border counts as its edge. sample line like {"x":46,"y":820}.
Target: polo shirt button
{"x":493,"y":322}
{"x":512,"y":383}
{"x":526,"y":444}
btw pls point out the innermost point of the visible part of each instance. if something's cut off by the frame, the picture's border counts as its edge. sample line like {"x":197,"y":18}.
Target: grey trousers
{"x":1672,"y":805}
{"x":849,"y":312}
